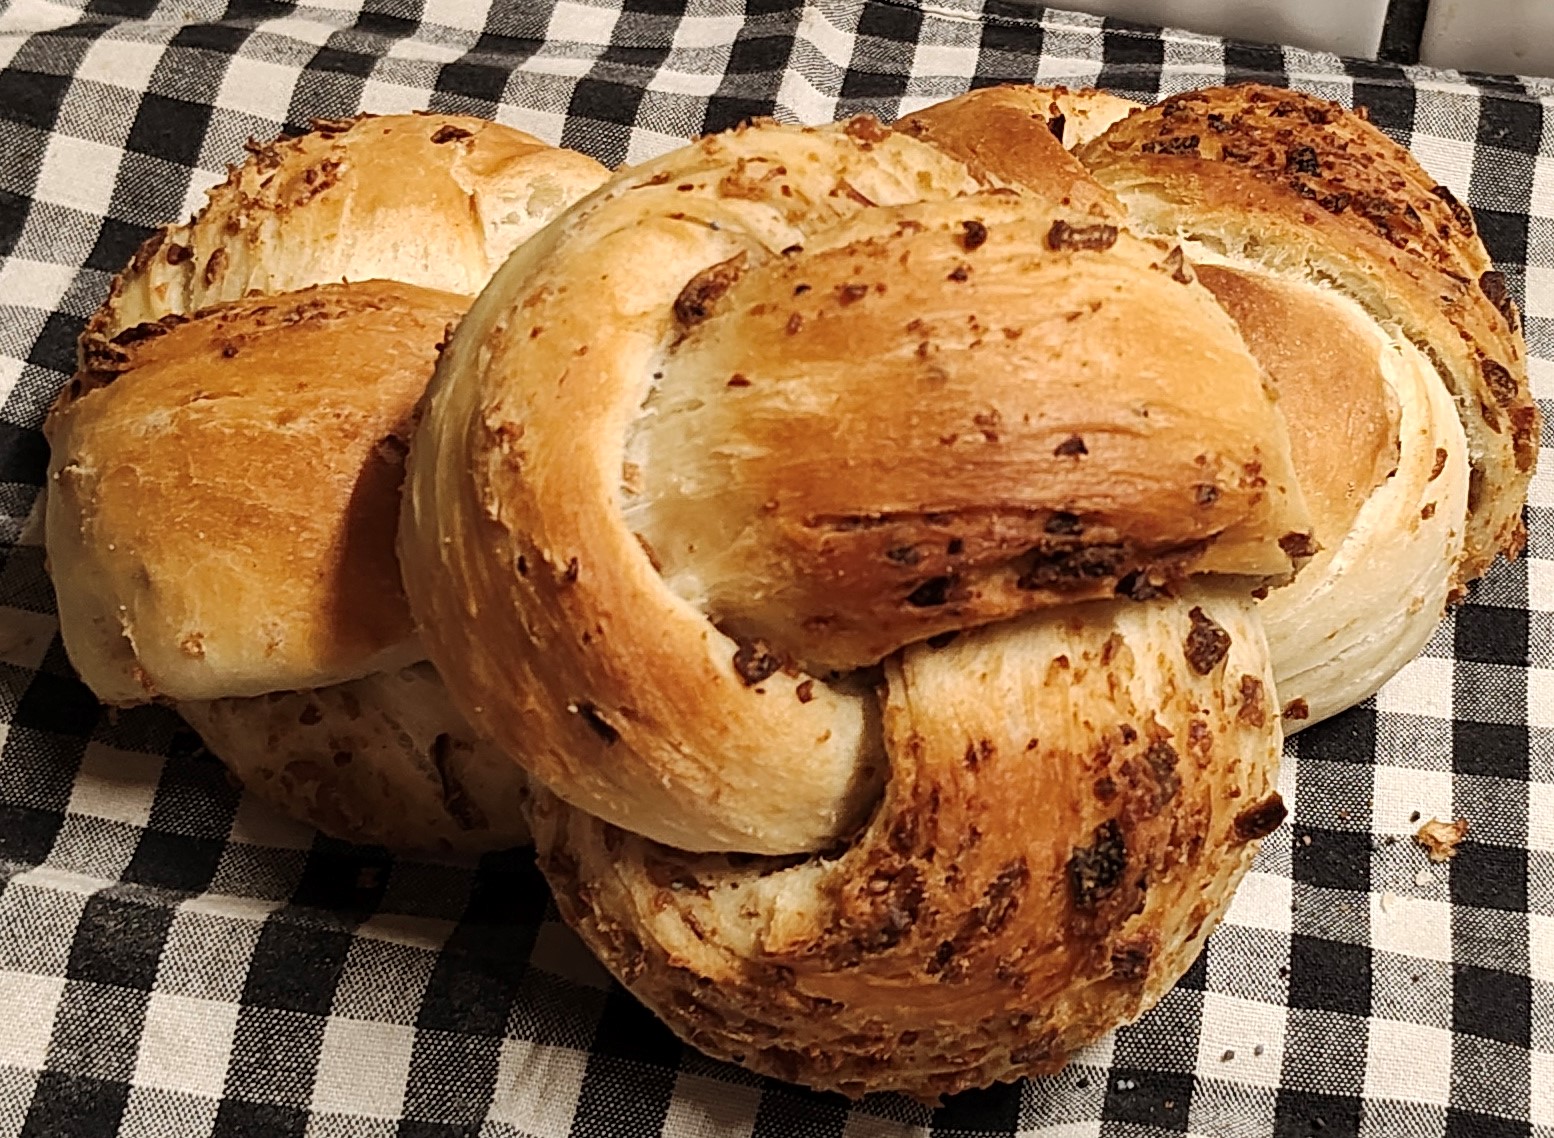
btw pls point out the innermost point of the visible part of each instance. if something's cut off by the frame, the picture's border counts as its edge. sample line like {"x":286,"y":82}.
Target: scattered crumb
{"x":1423,"y":878}
{"x":1082,"y":1082}
{"x":1227,"y":1057}
{"x":1258,"y":1050}
{"x":1387,"y":898}
{"x":1414,"y":817}
{"x":1126,"y":1084}
{"x":1441,"y":839}
{"x":1305,"y":839}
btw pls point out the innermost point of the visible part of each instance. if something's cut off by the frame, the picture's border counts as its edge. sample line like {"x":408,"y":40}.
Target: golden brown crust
{"x":1343,"y":418}
{"x":1014,"y":135}
{"x":223,"y":494}
{"x":1306,"y":188}
{"x":1072,"y":801}
{"x":429,"y":199}
{"x":548,"y":416}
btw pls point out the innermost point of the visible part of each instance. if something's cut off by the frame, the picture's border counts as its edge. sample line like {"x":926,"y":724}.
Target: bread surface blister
{"x":880,"y":564}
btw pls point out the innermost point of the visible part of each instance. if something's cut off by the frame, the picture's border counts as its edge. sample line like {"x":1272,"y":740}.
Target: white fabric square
{"x":704,"y":1108}
{"x":574,"y":23}
{"x":363,"y":1067}
{"x":1408,"y":1061}
{"x":78,"y":173}
{"x":1447,"y":160}
{"x":118,"y":785}
{"x":1399,"y":793}
{"x":1540,"y":681}
{"x":1540,"y":816}
{"x":1262,"y":902}
{"x":941,"y":59}
{"x":701,"y":33}
{"x":1423,"y":687}
{"x":1540,"y":936}
{"x":30,"y":1003}
{"x":186,"y":1043}
{"x":120,"y":63}
{"x":258,"y":87}
{"x":33,"y":284}
{"x":1237,"y":1028}
{"x":1410,"y":926}
{"x":544,"y":125}
{"x":1543,"y":1088}
{"x":383,"y":98}
{"x":466,"y":15}
{"x":537,"y":1086}
{"x":861,"y":1125}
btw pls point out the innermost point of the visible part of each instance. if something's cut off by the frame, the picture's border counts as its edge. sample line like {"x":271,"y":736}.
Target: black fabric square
{"x":1301,"y":1114}
{"x":174,"y":861}
{"x":603,"y":1113}
{"x":238,"y":1119}
{"x":296,"y":966}
{"x":1349,"y":737}
{"x":430,"y":1095}
{"x":1510,"y":124}
{"x":13,"y":215}
{"x":993,"y":1110}
{"x":119,"y":941}
{"x":31,"y":97}
{"x":1489,"y":877}
{"x":72,"y":1106}
{"x":55,"y":347}
{"x":27,"y":835}
{"x":1496,"y":1005}
{"x":116,"y":243}
{"x":413,"y":1128}
{"x":791,"y":1112}
{"x":1492,"y":750}
{"x":1391,"y":104}
{"x":627,"y":1030}
{"x":341,"y":877}
{"x":1254,"y":63}
{"x":887,"y":37}
{"x":1156,"y":1099}
{"x":1505,"y":235}
{"x":97,"y":1031}
{"x":1330,"y":976}
{"x":1492,"y":634}
{"x":470,"y":994}
{"x":274,"y":1056}
{"x":63,"y":706}
{"x":1470,"y":1124}
{"x":1332,"y":859}
{"x":170,"y":129}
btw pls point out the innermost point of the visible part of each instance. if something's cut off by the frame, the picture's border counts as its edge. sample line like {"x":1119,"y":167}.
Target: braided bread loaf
{"x":226,"y":464}
{"x":782,"y":466}
{"x":892,"y":504}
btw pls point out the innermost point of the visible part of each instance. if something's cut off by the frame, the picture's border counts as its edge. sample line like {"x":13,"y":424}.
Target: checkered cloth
{"x":175,"y":960}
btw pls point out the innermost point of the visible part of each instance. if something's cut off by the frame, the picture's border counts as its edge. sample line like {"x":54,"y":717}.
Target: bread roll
{"x":428,"y":199}
{"x":226,"y":465}
{"x":777,"y":500}
{"x":222,"y":508}
{"x":1363,"y":286}
{"x":383,"y":760}
{"x":828,"y":396}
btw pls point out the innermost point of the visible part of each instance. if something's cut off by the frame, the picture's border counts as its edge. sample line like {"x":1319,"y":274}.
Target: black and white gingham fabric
{"x":176,"y":961}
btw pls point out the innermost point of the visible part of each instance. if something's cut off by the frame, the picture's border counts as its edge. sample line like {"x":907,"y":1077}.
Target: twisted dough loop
{"x":1015,"y":896}
{"x":833,"y":399}
{"x":846,"y":398}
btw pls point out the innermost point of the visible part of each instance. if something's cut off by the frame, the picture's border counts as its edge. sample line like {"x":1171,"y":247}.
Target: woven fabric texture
{"x":177,"y":961}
